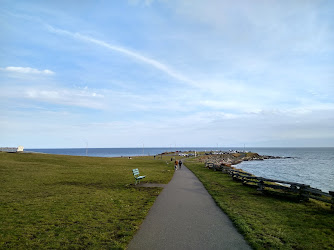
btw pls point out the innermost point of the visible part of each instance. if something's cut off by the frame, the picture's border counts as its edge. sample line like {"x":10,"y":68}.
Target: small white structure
{"x":11,"y":150}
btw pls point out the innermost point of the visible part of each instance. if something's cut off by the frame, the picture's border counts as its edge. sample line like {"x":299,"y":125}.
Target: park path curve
{"x":184,"y":216}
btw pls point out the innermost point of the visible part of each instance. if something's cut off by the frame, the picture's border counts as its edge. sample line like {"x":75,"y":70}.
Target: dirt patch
{"x":151,"y":185}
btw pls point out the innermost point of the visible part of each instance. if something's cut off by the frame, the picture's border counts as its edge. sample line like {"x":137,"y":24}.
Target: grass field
{"x":269,"y":222}
{"x":54,"y":201}
{"x":72,"y":202}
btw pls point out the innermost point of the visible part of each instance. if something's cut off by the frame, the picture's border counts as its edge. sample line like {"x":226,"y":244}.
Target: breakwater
{"x":234,"y":158}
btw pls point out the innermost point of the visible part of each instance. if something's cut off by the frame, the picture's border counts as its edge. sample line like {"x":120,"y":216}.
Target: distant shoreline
{"x":150,"y":151}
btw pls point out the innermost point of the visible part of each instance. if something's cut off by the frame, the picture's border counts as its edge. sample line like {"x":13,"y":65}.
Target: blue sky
{"x":166,"y":73}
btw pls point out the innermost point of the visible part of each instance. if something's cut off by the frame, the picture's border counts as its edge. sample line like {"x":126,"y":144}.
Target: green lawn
{"x":269,"y":222}
{"x":54,"y":201}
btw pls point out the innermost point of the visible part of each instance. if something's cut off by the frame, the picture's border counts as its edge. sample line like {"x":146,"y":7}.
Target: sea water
{"x":311,"y":166}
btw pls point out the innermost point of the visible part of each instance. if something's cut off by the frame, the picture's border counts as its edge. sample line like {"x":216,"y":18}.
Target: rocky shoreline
{"x":234,"y":158}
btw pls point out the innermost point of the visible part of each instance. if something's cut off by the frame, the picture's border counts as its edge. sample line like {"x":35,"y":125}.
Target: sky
{"x":136,"y":73}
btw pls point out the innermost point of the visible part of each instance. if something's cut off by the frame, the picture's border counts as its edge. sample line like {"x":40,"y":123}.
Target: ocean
{"x":311,"y":166}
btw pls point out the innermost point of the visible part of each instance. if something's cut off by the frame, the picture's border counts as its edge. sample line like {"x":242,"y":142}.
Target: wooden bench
{"x":137,"y":176}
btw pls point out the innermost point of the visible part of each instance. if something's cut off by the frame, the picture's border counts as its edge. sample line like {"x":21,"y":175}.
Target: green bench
{"x":137,"y":176}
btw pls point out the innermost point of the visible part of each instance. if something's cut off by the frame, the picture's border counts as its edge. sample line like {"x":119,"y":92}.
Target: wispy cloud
{"x":144,"y":2}
{"x":127,"y":52}
{"x":27,"y":70}
{"x":63,"y":96}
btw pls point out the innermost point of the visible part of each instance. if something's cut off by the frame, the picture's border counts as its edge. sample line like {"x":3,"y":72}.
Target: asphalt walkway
{"x":184,"y":216}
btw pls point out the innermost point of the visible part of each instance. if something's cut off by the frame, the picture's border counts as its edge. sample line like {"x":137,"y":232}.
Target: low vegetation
{"x":55,"y":201}
{"x":267,"y":221}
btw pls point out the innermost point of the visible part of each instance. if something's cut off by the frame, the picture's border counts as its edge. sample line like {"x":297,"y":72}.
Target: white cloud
{"x":27,"y":70}
{"x":69,"y":97}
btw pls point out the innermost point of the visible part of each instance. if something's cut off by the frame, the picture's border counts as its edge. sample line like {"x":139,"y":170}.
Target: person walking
{"x":176,"y":164}
{"x":180,"y":164}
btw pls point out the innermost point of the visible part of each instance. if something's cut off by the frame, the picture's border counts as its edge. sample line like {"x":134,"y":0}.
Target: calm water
{"x":312,"y":166}
{"x":113,"y":152}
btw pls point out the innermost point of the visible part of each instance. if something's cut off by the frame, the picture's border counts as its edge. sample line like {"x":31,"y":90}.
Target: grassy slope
{"x":269,"y":222}
{"x":53,"y":201}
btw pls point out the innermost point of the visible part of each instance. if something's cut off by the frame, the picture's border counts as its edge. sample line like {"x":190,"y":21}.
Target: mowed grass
{"x":55,"y":201}
{"x":269,"y":222}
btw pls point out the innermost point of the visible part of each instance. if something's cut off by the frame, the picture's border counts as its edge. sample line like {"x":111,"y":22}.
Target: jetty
{"x":234,"y":158}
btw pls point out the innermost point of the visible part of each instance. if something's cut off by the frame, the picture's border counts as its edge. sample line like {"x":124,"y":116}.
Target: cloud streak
{"x":28,"y":70}
{"x":124,"y":51}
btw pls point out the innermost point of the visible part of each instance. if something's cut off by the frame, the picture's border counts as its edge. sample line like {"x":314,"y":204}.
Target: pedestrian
{"x":176,"y":164}
{"x":180,"y":164}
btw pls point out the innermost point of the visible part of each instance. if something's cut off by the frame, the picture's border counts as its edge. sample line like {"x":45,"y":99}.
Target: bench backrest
{"x":135,"y":171}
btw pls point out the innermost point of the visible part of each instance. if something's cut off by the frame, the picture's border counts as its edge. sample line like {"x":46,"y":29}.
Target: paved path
{"x":184,"y":216}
